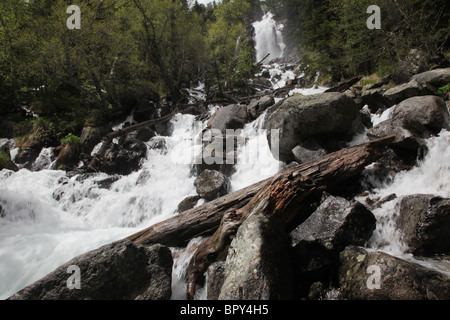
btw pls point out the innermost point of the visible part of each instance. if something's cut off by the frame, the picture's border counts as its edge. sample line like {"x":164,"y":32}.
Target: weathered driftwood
{"x":283,"y":197}
{"x":115,"y":134}
{"x":200,"y":221}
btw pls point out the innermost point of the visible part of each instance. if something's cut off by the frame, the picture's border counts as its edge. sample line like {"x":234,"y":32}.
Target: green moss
{"x":4,"y":159}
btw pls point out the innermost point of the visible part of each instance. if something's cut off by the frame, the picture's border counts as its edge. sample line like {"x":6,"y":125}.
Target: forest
{"x":137,"y":53}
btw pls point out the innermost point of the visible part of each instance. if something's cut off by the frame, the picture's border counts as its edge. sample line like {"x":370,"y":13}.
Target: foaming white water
{"x":48,"y":217}
{"x":182,"y":257}
{"x":268,"y":38}
{"x":430,"y":176}
{"x":255,"y":161}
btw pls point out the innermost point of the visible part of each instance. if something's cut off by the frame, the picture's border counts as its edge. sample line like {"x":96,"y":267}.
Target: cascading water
{"x":268,"y":38}
{"x":47,"y":217}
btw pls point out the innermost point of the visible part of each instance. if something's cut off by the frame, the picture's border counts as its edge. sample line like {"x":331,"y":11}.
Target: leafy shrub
{"x":70,"y":139}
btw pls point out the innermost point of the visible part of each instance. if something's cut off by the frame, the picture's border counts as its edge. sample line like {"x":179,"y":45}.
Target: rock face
{"x":188,"y":203}
{"x":422,"y":114}
{"x":379,"y":276}
{"x":90,"y":136}
{"x":216,"y":274}
{"x":425,"y":222}
{"x":413,"y":120}
{"x":257,"y":265}
{"x":436,"y":78}
{"x":336,"y":224}
{"x":230,"y":117}
{"x":399,"y":93}
{"x":258,"y":106}
{"x":309,"y":150}
{"x":404,"y":139}
{"x":316,"y":243}
{"x":123,"y":158}
{"x":327,"y":116}
{"x":211,"y":185}
{"x":117,"y":271}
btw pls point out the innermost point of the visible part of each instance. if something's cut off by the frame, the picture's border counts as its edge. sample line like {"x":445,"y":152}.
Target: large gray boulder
{"x":211,"y":185}
{"x":422,"y":114}
{"x":404,"y":139}
{"x":117,"y":271}
{"x":336,"y":224}
{"x":404,"y":91}
{"x":425,"y":223}
{"x":413,"y":120}
{"x":326,"y":116}
{"x":316,"y":243}
{"x":257,"y":266}
{"x":372,"y":275}
{"x":230,"y":117}
{"x":258,"y":106}
{"x":436,"y":78}
{"x":123,"y":158}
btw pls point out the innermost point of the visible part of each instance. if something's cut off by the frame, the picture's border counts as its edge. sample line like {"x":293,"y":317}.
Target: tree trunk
{"x":201,"y":221}
{"x":286,"y":197}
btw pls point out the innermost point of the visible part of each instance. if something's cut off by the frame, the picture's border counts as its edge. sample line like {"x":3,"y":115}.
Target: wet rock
{"x":211,"y":185}
{"x":309,"y":150}
{"x":373,"y":98}
{"x":402,"y":92}
{"x":404,"y":139}
{"x":257,"y":266}
{"x":425,"y":223}
{"x":158,"y":143}
{"x":123,"y":158}
{"x":258,"y":106}
{"x":437,"y":78}
{"x":421,"y":115}
{"x":143,"y":177}
{"x":316,"y":243}
{"x":117,"y":271}
{"x":107,"y":182}
{"x":188,"y":203}
{"x":216,"y":275}
{"x":379,"y":276}
{"x":336,"y":224}
{"x":326,"y":116}
{"x":230,"y":117}
{"x":5,"y":159}
{"x":90,"y":137}
{"x":68,"y":157}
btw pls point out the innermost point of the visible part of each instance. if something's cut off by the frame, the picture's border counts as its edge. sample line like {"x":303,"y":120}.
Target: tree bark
{"x":200,"y":221}
{"x":286,"y":197}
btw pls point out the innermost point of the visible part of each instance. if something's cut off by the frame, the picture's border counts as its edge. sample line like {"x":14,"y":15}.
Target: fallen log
{"x":285,"y":197}
{"x":92,"y":167}
{"x":201,"y":221}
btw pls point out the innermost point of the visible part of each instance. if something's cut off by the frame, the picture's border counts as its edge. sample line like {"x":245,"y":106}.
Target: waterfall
{"x":47,"y":217}
{"x":268,"y":38}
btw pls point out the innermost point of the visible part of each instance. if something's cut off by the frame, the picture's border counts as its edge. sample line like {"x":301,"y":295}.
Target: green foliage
{"x":70,"y":139}
{"x":4,"y":159}
{"x":126,"y":52}
{"x":332,"y":36}
{"x":444,"y":89}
